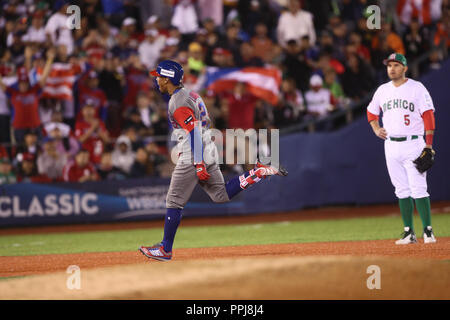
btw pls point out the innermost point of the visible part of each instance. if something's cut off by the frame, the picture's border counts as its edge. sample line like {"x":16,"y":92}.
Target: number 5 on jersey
{"x":407,"y":121}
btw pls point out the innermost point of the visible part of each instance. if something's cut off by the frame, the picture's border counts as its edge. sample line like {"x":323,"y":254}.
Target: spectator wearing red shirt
{"x":94,"y":45}
{"x":262,"y":44}
{"x":241,"y":108}
{"x":88,"y":90}
{"x":3,"y":152}
{"x":136,"y":79}
{"x":80,"y":169}
{"x":91,"y":133}
{"x":25,"y":100}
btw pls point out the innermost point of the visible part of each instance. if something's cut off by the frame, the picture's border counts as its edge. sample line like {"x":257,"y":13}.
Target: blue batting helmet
{"x":169,"y":69}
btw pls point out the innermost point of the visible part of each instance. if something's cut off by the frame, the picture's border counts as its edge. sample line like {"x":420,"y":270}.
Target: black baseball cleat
{"x":408,"y":237}
{"x":428,"y":235}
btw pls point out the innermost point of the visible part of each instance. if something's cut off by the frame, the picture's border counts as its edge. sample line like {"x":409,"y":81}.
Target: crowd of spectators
{"x":79,"y":104}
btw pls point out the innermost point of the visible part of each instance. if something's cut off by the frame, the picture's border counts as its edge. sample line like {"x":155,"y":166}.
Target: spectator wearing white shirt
{"x":5,"y":113}
{"x":61,"y":133}
{"x":36,"y":32}
{"x":185,"y":17}
{"x":294,"y":24}
{"x":56,"y":28}
{"x":123,"y":155}
{"x":319,"y":100}
{"x":51,"y":162}
{"x":212,"y":9}
{"x":150,"y":49}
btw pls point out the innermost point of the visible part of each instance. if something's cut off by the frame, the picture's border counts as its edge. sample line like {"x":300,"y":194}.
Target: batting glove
{"x":202,"y":174}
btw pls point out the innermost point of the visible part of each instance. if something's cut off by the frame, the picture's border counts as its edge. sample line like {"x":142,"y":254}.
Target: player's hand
{"x":381,"y":133}
{"x":202,"y":174}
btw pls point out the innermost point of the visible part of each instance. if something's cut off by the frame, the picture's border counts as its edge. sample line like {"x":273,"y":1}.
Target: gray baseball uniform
{"x":184,"y":177}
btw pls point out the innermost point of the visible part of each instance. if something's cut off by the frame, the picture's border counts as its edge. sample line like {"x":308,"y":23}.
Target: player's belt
{"x":402,"y":138}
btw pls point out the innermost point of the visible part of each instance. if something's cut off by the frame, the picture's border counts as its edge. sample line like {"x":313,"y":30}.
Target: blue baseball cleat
{"x":156,"y":252}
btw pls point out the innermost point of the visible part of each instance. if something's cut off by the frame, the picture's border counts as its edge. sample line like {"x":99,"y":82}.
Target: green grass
{"x":11,"y":278}
{"x":371,"y":228}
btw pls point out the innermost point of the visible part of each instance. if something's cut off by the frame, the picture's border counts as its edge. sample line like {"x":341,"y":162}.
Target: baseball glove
{"x":425,"y":160}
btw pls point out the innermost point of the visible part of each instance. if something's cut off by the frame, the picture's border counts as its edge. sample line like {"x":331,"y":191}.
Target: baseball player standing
{"x":408,"y":112}
{"x":188,"y":112}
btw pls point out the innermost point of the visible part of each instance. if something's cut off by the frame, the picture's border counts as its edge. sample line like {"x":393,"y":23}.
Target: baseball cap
{"x":92,"y":74}
{"x":129,"y":21}
{"x":194,"y":47}
{"x":59,"y":4}
{"x":152,"y":19}
{"x":22,"y":74}
{"x":316,"y":80}
{"x":89,"y":102}
{"x":398,"y":57}
{"x":221,"y":51}
{"x":39,"y":14}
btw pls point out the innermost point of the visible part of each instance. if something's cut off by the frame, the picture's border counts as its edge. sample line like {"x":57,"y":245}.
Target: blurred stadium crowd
{"x":79,"y":105}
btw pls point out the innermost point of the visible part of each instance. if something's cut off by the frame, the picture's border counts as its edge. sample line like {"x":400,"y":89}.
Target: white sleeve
{"x":312,"y":30}
{"x":374,"y":106}
{"x":424,"y":99}
{"x":51,"y":26}
{"x":280,"y":29}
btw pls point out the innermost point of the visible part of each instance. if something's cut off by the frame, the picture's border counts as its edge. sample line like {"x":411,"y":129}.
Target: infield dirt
{"x":286,"y":278}
{"x":321,"y":270}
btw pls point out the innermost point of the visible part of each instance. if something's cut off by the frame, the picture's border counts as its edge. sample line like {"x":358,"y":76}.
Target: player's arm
{"x":185,"y":117}
{"x":430,"y":126}
{"x":375,"y":124}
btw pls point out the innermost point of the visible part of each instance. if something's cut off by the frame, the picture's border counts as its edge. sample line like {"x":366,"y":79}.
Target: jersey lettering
{"x":398,"y":104}
{"x":401,"y":107}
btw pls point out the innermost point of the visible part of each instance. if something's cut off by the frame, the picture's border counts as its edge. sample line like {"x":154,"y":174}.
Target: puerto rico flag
{"x":263,"y":83}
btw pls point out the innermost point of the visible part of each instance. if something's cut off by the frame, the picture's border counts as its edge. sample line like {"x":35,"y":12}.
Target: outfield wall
{"x":342,"y":167}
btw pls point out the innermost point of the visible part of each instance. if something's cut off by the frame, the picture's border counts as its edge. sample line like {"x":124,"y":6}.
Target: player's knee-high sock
{"x":239,"y":183}
{"x":173,"y":218}
{"x":424,"y":208}
{"x":407,"y":210}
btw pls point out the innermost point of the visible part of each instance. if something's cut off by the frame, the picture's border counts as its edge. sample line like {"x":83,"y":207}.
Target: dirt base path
{"x":29,"y":265}
{"x":285,"y":278}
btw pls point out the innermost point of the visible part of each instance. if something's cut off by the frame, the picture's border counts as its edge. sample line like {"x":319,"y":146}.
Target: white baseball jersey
{"x":402,"y":107}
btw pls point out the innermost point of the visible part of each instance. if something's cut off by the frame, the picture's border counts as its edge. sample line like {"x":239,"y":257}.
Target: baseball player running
{"x":408,"y":112}
{"x":188,"y":112}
